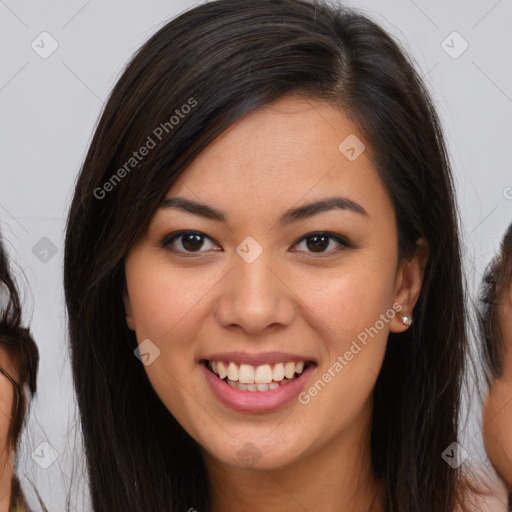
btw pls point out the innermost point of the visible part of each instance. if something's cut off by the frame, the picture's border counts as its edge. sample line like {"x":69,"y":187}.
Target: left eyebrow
{"x":292,"y":215}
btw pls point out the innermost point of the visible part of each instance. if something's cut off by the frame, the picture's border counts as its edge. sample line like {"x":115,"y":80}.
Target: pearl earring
{"x":406,"y":320}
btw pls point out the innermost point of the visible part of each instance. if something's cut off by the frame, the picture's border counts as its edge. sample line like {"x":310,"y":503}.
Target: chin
{"x":258,"y":453}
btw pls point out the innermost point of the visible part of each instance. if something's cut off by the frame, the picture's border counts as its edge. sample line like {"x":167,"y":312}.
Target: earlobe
{"x":409,"y":282}
{"x":128,"y":310}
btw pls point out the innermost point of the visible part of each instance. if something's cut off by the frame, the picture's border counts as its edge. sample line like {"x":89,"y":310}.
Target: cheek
{"x":168,"y":307}
{"x":349,"y":300}
{"x":354,"y":315}
{"x":163,"y":300}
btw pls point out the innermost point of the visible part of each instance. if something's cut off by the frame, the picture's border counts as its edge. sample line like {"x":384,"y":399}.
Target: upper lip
{"x":257,"y":359}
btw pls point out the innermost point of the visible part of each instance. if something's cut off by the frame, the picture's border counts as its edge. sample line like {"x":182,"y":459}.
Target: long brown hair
{"x":231,"y":57}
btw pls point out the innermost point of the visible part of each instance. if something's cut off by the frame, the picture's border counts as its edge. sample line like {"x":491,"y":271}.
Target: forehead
{"x":291,"y":149}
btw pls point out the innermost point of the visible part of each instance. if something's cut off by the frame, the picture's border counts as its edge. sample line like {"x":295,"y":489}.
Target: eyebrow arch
{"x":292,"y":215}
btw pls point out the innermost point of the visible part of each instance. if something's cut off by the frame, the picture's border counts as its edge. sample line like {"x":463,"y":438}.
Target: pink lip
{"x":256,"y":401}
{"x":257,"y":359}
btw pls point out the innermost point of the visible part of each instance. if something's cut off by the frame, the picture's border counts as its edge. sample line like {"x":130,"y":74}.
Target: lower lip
{"x":256,"y":401}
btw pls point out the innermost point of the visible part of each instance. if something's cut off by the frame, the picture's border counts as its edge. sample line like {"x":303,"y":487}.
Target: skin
{"x":497,"y":414}
{"x":289,"y":299}
{"x":6,"y":404}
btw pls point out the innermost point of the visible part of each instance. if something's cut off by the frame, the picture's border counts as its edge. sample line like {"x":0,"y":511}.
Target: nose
{"x":254,"y":297}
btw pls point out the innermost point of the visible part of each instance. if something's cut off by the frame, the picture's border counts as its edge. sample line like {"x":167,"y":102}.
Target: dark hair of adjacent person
{"x":496,"y":283}
{"x":233,"y":57}
{"x":23,"y":352}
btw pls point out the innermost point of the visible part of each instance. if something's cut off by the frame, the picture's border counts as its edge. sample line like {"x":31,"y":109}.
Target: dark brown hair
{"x":232,"y":57}
{"x":496,"y":282}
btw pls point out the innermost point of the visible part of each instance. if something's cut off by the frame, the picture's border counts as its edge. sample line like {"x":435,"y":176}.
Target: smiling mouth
{"x":266,"y":377}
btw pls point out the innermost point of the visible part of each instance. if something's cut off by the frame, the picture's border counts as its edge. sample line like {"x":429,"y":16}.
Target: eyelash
{"x":167,"y":241}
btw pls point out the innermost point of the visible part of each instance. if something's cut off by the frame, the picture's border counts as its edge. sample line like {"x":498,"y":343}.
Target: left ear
{"x":409,"y":280}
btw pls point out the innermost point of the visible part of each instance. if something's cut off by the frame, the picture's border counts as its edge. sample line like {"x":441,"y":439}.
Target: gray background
{"x":48,"y":110}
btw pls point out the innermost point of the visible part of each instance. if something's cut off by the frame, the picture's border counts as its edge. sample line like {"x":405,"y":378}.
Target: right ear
{"x":130,"y":322}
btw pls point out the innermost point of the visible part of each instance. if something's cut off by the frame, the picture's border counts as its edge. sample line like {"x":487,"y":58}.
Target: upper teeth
{"x":248,"y":374}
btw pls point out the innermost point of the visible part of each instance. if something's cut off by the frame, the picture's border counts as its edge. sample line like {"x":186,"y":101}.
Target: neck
{"x":340,"y":472}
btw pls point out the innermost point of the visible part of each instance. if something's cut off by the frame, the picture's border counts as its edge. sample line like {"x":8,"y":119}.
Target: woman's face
{"x":497,"y":416}
{"x":254,"y":294}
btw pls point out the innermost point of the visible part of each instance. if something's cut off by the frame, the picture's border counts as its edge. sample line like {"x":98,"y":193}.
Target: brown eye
{"x":192,"y":242}
{"x":185,"y":242}
{"x":319,"y":242}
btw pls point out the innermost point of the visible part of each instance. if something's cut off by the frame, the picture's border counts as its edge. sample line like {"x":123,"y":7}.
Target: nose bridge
{"x":253,"y":296}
